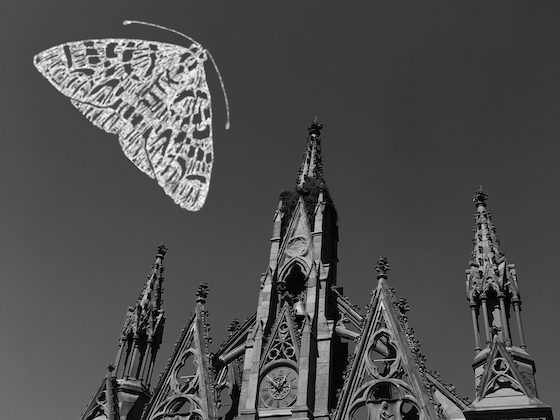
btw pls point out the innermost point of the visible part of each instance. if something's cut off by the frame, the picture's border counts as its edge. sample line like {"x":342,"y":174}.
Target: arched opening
{"x":409,"y":411}
{"x":295,"y":281}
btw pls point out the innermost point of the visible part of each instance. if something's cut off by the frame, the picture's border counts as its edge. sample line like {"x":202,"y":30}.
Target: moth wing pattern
{"x":153,"y":95}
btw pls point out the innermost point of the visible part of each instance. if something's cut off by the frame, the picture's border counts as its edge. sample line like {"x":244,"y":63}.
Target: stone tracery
{"x":386,"y":396}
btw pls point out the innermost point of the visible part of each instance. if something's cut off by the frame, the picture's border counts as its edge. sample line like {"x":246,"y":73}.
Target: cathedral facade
{"x":308,"y":352}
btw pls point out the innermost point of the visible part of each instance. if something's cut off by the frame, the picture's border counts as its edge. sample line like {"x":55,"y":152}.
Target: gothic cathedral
{"x":308,"y":352}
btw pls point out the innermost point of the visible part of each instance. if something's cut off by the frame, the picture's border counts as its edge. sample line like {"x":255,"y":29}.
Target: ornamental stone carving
{"x":297,"y":247}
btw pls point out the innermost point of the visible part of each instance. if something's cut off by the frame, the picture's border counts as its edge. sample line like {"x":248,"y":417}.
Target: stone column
{"x":132,"y":358}
{"x":145,"y":361}
{"x":486,"y":320}
{"x":119,"y":356}
{"x":505,"y":324}
{"x":150,"y":369}
{"x":517,"y":309}
{"x":475,"y":327}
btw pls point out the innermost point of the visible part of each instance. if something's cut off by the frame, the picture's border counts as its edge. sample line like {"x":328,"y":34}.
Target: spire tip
{"x":312,"y":161}
{"x":480,"y":197}
{"x":314,"y":129}
{"x":161,"y":250}
{"x":202,"y":293}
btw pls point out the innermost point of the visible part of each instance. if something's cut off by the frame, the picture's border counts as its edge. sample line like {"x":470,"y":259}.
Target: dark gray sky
{"x":422,"y":102}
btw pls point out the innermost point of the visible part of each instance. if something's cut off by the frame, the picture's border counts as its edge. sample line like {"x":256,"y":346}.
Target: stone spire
{"x":491,"y":282}
{"x":311,"y":166}
{"x":486,"y":244}
{"x":142,"y":319}
{"x":141,"y":337}
{"x":504,"y":371}
{"x":126,"y":388}
{"x":310,"y":189}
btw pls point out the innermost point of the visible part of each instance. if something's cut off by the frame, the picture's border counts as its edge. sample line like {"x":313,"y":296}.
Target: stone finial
{"x":110,"y":368}
{"x":161,"y":250}
{"x":495,"y":330}
{"x":382,"y":266}
{"x":480,"y":197}
{"x":314,"y":129}
{"x":202,"y":293}
{"x":233,"y":326}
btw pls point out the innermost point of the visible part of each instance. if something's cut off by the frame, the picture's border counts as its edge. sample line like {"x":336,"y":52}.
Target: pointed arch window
{"x":295,"y":280}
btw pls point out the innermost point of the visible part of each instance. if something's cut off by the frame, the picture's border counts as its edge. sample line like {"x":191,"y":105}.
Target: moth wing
{"x":153,"y":95}
{"x":182,"y":151}
{"x":102,"y":72}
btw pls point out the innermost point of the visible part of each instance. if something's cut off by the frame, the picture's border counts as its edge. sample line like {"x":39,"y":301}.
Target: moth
{"x":153,"y":96}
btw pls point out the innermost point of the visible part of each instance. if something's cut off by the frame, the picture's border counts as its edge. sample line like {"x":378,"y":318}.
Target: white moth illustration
{"x":153,"y":95}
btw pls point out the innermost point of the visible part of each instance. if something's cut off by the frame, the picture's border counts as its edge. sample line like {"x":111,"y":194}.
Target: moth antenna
{"x":139,"y":22}
{"x":223,"y":87}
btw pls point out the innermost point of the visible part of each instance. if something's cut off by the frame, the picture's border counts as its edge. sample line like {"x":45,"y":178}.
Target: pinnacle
{"x":382,"y":267}
{"x":202,"y":293}
{"x":486,"y":244}
{"x":314,"y":129}
{"x":488,"y":269}
{"x":161,"y":250}
{"x":311,"y":166}
{"x":480,"y":198}
{"x":149,"y":302}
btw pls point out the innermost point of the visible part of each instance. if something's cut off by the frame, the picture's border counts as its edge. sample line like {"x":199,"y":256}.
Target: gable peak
{"x":503,"y":380}
{"x":186,"y":385}
{"x":387,"y":369}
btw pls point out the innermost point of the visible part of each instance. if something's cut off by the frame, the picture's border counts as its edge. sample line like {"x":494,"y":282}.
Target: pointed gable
{"x":503,"y":381}
{"x":296,"y":244}
{"x":282,"y":343}
{"x":387,"y":373}
{"x":185,"y":389}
